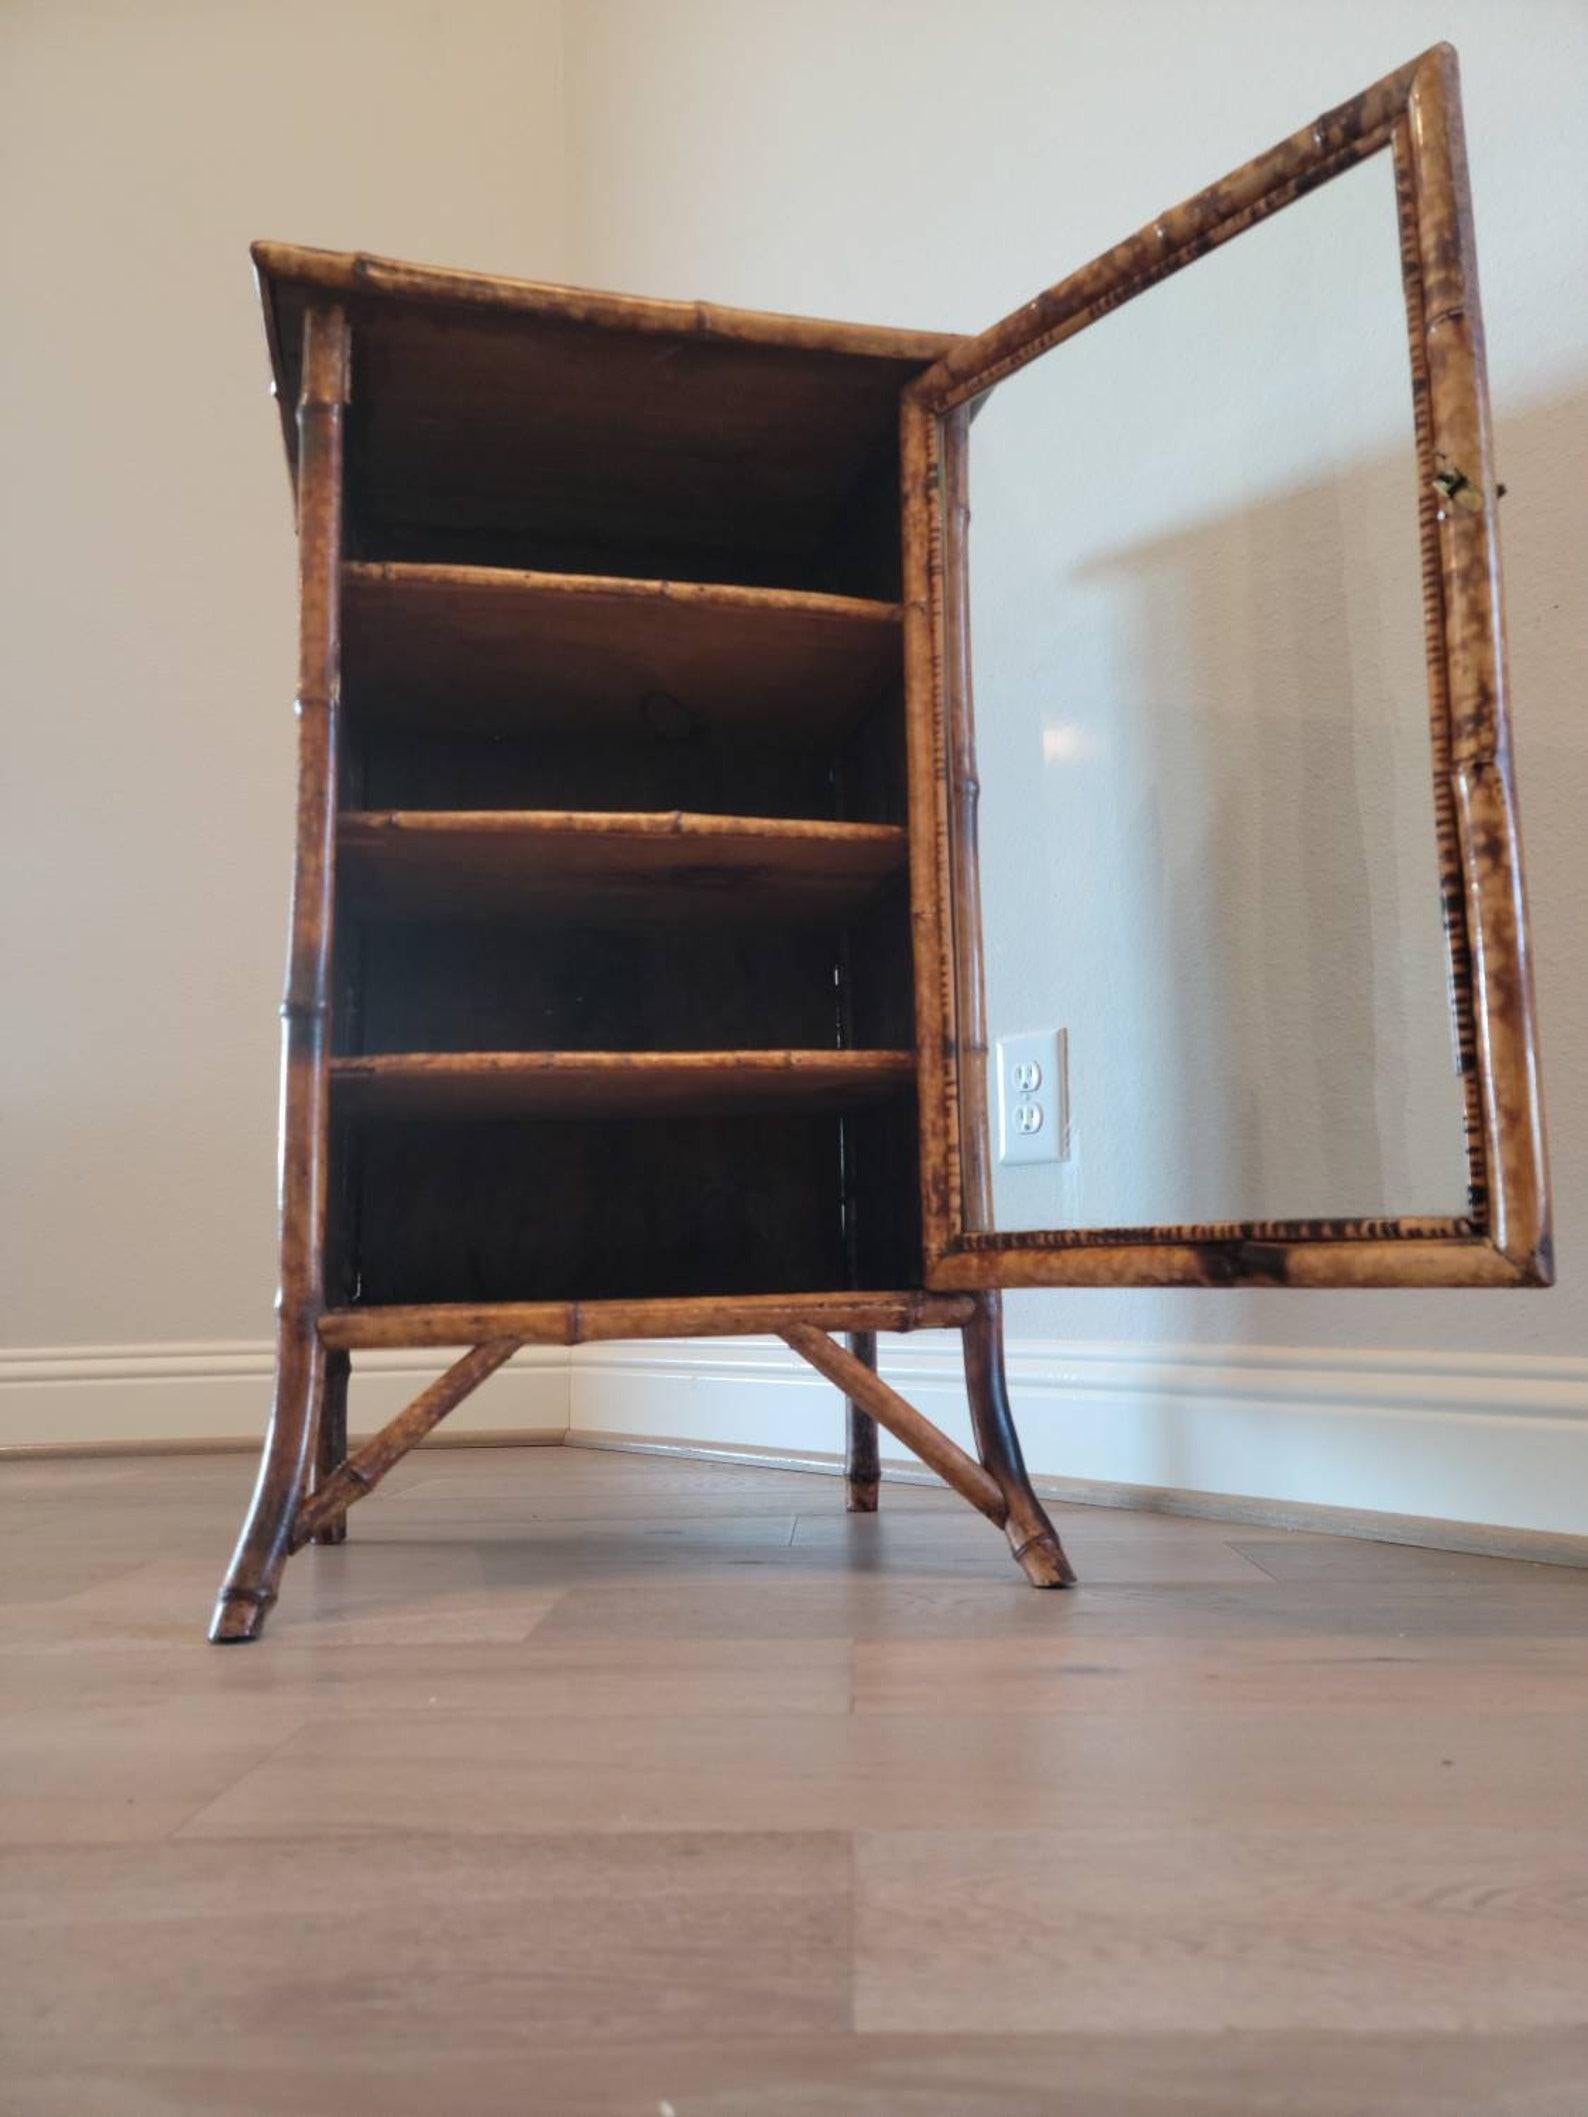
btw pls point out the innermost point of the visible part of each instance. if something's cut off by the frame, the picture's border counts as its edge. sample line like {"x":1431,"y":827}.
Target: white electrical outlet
{"x":1033,"y":1097}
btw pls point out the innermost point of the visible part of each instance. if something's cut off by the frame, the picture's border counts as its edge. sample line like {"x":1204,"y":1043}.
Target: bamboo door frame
{"x":1504,"y":1237}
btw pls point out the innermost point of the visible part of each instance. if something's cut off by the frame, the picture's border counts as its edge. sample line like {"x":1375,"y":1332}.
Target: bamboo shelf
{"x":595,"y":1084}
{"x":502,"y":648}
{"x":641,"y":867}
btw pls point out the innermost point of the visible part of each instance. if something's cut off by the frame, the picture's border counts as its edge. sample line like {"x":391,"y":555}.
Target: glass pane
{"x":1207,"y":832}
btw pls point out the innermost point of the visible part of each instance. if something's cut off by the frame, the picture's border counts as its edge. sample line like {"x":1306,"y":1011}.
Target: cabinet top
{"x":700,"y":431}
{"x":290,"y":272}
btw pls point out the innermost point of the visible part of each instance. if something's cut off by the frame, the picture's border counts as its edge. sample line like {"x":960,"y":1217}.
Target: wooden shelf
{"x":651,"y":868}
{"x":488,"y":649}
{"x":533,"y":1084}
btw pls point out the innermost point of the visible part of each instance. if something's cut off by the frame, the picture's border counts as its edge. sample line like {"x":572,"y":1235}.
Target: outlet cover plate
{"x":1033,"y":1097}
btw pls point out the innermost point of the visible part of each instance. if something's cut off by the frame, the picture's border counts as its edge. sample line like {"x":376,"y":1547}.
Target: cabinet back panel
{"x":654,"y":756}
{"x":883,"y":1209}
{"x":516,"y":987}
{"x":586,"y":1211}
{"x":630,"y":766}
{"x":649,"y":454}
{"x":878,"y":974}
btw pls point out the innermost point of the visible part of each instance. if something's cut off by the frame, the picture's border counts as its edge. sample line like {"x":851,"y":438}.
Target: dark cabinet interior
{"x":622,"y":974}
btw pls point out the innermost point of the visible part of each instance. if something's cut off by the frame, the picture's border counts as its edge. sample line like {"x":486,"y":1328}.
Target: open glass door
{"x":1222,"y":957}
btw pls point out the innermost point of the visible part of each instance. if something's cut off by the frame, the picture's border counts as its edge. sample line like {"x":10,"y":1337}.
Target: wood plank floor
{"x":609,"y":1786}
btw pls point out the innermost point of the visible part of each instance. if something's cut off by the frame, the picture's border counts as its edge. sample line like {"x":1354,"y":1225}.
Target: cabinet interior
{"x":622,"y":984}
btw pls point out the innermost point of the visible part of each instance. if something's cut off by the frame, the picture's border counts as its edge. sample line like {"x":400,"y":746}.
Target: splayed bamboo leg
{"x":902,"y":1420}
{"x":363,"y":1470}
{"x":330,"y":1448}
{"x":251,"y":1581}
{"x":255,"y":1571}
{"x":1031,"y":1535}
{"x":862,"y":1470}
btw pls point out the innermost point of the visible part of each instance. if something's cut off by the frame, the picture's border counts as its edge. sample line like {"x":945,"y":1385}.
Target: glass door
{"x":1222,"y":965}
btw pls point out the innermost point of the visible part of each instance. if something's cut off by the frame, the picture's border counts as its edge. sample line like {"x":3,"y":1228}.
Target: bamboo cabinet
{"x":637,"y":983}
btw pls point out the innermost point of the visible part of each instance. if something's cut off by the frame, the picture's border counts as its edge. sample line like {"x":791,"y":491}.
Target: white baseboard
{"x":111,"y":1396}
{"x":1467,"y":1439}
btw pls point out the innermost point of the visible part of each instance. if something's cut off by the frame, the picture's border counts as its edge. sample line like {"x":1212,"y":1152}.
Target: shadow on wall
{"x":1261,"y":1013}
{"x":1272,"y":754}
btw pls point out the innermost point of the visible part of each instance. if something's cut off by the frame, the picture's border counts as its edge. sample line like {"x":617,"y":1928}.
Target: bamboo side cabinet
{"x":634,"y":983}
{"x":599,"y":1017}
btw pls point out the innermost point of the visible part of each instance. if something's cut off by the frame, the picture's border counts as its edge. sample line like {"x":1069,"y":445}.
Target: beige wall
{"x":896,"y":160}
{"x":148,"y":582}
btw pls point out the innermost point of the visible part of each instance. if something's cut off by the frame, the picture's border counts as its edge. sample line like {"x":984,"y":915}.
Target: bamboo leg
{"x":330,"y":1448}
{"x":1031,"y":1535}
{"x":255,"y":1572}
{"x":862,"y":1471}
{"x":359,"y":1474}
{"x":902,"y":1420}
